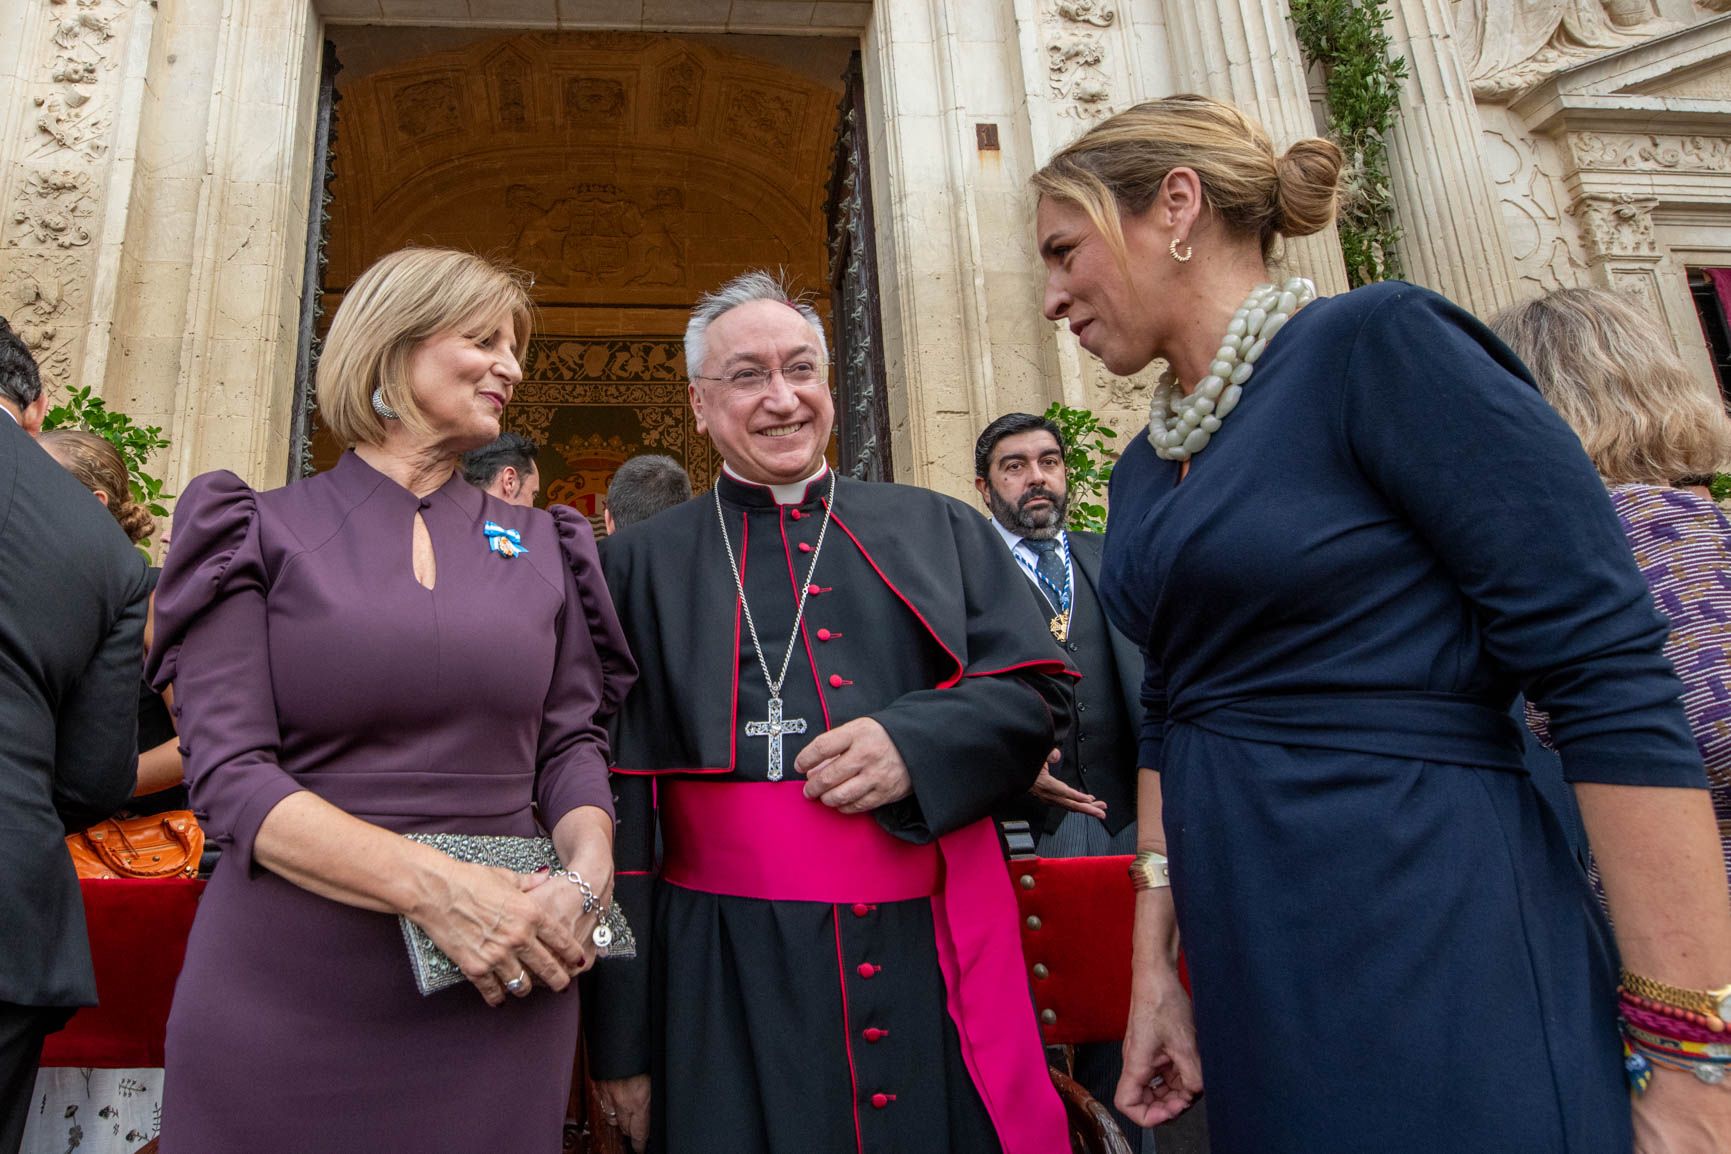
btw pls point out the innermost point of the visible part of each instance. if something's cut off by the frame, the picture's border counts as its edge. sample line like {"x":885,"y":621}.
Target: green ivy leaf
{"x":134,"y":442}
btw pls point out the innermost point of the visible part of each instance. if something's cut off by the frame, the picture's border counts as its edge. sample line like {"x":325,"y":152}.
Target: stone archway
{"x":625,"y":172}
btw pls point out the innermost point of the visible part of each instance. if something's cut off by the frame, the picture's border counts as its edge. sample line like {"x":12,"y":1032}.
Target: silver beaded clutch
{"x":432,"y":969}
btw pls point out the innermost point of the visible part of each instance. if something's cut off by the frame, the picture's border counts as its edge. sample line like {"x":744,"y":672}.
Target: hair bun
{"x":1307,"y":186}
{"x":136,"y":520}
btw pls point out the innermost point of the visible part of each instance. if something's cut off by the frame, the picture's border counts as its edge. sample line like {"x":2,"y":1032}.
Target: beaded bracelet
{"x":1642,"y":1016}
{"x":1709,"y":1008}
{"x":1705,"y":1021}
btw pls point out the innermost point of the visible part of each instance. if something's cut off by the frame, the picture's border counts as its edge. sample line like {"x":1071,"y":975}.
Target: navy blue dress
{"x":1391,"y":945}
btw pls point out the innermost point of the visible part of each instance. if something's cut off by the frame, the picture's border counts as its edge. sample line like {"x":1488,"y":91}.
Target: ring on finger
{"x":519,"y":983}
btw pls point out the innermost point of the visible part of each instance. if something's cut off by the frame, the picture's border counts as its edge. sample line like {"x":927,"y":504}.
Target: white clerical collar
{"x":793,"y":494}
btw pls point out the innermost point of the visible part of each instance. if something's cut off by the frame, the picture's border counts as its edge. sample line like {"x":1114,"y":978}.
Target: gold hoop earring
{"x":1173,"y":249}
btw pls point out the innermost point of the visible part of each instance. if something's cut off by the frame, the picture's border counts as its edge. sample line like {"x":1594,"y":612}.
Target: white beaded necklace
{"x":1180,"y":425}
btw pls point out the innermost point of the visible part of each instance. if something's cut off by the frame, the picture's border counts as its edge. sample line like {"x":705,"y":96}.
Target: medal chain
{"x":1062,"y":596}
{"x":804,"y":594}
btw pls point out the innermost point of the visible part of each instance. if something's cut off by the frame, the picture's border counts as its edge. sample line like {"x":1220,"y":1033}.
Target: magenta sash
{"x":767,"y":840}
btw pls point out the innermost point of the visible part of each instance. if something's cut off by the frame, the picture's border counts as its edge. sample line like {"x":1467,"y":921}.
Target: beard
{"x":1040,"y":524}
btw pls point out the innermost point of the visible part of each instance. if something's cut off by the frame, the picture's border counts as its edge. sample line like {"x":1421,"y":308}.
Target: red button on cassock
{"x":882,"y":1100}
{"x":812,"y":588}
{"x":867,"y":970}
{"x":795,"y":514}
{"x":860,"y":909}
{"x":836,"y":681}
{"x":823,"y":635}
{"x":875,"y":1035}
{"x":804,"y":548}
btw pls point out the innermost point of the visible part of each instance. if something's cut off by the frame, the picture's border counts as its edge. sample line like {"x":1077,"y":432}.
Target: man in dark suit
{"x":1084,"y":803}
{"x":1087,"y":795}
{"x":72,"y":605}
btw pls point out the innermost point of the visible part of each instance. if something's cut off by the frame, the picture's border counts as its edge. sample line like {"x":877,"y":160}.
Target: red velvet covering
{"x":1086,"y":908}
{"x":138,"y":934}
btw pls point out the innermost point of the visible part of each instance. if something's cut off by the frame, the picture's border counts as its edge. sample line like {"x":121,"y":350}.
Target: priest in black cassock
{"x":839,"y":682}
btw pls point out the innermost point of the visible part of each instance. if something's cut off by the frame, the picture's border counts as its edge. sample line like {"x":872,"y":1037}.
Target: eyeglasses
{"x":798,"y":374}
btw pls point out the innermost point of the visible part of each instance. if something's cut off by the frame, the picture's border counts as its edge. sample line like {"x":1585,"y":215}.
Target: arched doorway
{"x":626,"y":172}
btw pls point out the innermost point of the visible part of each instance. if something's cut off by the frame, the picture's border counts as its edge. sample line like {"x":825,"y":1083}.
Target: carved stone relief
{"x":594,"y":101}
{"x":680,"y":91}
{"x":69,"y":127}
{"x":1131,"y":393}
{"x":75,"y":115}
{"x":50,"y":210}
{"x":428,"y":107}
{"x":1652,"y":153}
{"x":763,"y":118}
{"x":1640,"y":284}
{"x":42,"y":303}
{"x":1532,"y":216}
{"x":1076,"y":54}
{"x":597,"y":232}
{"x":1511,"y":45}
{"x":511,"y":83}
{"x":1615,"y":224}
{"x":1095,"y":12}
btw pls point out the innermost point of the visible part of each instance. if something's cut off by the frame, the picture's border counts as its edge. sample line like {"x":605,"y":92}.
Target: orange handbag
{"x":158,"y":845}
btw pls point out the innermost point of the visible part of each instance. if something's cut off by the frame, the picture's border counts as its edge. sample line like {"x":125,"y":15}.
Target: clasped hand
{"x":507,"y":931}
{"x":854,"y":767}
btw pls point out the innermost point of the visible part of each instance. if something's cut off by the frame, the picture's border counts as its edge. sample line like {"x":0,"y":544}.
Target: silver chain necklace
{"x":774,"y":727}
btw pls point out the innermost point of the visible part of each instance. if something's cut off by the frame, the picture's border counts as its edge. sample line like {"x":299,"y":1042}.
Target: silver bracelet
{"x":591,"y":899}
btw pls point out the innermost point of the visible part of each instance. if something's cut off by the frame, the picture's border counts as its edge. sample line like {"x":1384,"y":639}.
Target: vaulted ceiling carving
{"x":617,"y":168}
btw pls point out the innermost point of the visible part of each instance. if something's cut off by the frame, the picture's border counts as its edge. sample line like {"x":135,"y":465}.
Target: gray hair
{"x":644,"y":486}
{"x":757,"y":285}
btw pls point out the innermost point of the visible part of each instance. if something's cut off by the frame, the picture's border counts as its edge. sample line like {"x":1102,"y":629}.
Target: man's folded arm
{"x":973,"y":747}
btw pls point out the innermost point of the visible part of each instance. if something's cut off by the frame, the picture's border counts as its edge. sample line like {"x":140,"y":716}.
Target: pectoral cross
{"x":773,"y":729}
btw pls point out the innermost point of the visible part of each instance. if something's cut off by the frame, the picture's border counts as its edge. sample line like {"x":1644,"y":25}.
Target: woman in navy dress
{"x":1343,"y":565}
{"x":377,"y":650}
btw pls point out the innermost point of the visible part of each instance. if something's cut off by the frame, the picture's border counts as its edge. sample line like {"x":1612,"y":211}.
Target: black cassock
{"x":804,"y":1027}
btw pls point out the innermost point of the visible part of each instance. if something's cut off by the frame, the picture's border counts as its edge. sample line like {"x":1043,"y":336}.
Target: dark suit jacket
{"x":1119,"y":792}
{"x":72,"y":604}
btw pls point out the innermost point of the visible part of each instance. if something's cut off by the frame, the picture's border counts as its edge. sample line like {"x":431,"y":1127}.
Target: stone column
{"x":232,"y":409}
{"x":949,"y":95}
{"x":1446,"y":203}
{"x":1623,"y":252}
{"x":1245,"y":51}
{"x":149,"y":316}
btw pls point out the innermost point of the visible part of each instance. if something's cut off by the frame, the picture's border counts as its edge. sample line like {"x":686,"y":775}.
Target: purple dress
{"x":305,"y":655}
{"x":1682,"y":542}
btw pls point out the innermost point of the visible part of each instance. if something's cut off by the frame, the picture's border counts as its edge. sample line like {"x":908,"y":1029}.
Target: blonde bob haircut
{"x":1606,"y":365}
{"x":404,"y":298}
{"x":1118,"y":166}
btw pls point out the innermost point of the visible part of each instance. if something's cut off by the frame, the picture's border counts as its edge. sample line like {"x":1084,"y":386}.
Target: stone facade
{"x":156,"y":169}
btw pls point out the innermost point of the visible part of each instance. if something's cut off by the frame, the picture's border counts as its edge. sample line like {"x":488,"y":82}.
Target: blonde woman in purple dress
{"x":1656,"y":434}
{"x":378,"y":650}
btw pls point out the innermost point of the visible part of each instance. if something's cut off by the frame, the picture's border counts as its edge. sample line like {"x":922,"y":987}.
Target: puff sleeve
{"x":593,"y":670}
{"x":213,"y":644}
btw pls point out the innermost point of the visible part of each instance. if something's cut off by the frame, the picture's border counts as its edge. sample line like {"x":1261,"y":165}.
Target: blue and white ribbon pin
{"x":505,"y":542}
